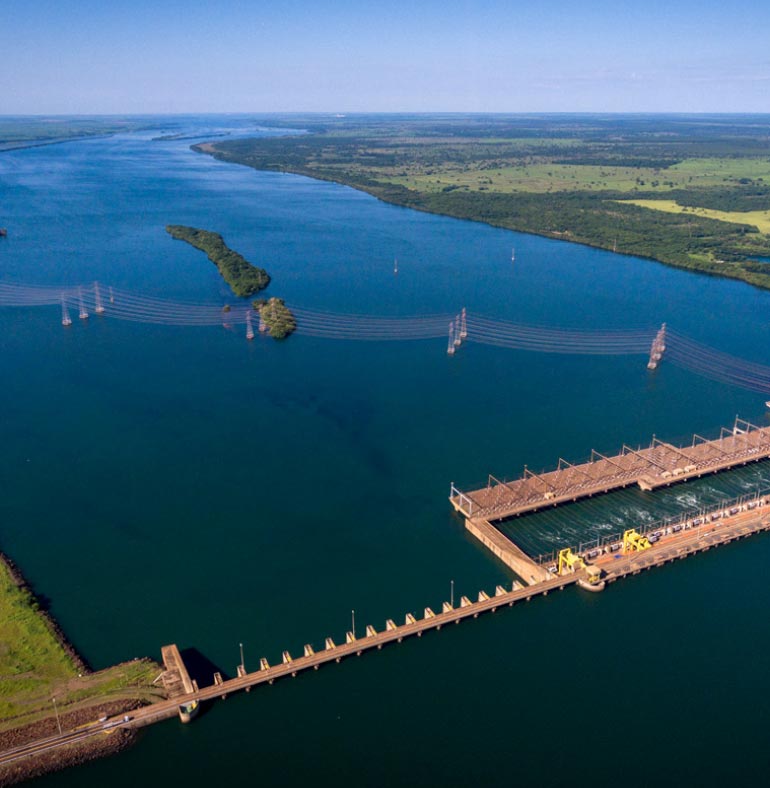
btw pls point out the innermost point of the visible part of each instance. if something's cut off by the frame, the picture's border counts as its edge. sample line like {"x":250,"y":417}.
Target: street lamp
{"x":452,"y":593}
{"x":56,"y":711}
{"x":242,"y":665}
{"x":353,"y":622}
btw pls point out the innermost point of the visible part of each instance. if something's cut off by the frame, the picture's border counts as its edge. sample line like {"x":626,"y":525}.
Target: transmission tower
{"x":98,"y":299}
{"x":83,"y":313}
{"x":658,"y":348}
{"x":66,"y":320}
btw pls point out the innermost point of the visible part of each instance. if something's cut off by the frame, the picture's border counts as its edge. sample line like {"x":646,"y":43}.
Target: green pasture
{"x":758,"y":219}
{"x":545,"y":177}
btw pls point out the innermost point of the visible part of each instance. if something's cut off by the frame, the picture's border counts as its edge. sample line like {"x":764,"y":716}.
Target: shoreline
{"x":378,"y":191}
{"x":11,"y":146}
{"x":42,"y":722}
{"x":50,"y":622}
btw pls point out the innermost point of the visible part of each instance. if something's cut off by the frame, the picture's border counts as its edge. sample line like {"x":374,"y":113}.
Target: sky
{"x":168,"y":56}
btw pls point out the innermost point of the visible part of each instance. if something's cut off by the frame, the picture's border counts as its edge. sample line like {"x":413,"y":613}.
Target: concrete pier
{"x":658,"y":465}
{"x":679,"y":542}
{"x":651,"y":546}
{"x":508,"y":552}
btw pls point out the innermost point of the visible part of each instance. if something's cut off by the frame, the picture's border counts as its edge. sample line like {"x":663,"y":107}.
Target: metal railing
{"x":694,"y":518}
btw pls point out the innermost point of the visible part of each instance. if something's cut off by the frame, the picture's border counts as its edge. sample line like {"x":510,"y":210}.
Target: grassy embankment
{"x":243,"y":278}
{"x":578,"y":178}
{"x":36,"y":665}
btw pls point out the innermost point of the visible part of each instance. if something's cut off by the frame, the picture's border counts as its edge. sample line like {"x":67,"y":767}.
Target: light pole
{"x":242,"y":665}
{"x":452,"y":593}
{"x":353,"y":622}
{"x":56,"y":711}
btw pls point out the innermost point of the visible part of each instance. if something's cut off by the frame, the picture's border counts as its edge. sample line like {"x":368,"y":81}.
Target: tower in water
{"x":83,"y":315}
{"x":66,"y":320}
{"x":98,"y":308}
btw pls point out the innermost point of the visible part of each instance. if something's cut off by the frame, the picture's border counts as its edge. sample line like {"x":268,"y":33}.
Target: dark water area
{"x":166,"y":484}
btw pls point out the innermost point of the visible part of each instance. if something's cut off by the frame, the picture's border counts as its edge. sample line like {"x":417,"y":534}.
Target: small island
{"x":276,"y":317}
{"x":243,"y":278}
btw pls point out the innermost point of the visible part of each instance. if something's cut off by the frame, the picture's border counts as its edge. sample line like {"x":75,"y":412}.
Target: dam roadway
{"x":694,"y":533}
{"x":669,"y":549}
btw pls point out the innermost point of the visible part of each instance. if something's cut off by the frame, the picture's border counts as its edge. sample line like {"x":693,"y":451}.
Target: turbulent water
{"x":175,"y":484}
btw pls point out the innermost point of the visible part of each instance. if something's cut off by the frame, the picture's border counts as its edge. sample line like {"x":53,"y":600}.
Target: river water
{"x":167,"y":484}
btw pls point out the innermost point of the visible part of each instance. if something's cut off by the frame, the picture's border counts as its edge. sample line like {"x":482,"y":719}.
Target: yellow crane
{"x":634,"y":542}
{"x":570,"y":562}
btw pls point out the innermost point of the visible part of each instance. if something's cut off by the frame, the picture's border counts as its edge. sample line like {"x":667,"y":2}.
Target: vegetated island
{"x":243,"y":278}
{"x":276,"y":317}
{"x":38,"y":665}
{"x":689,"y":191}
{"x":184,"y":136}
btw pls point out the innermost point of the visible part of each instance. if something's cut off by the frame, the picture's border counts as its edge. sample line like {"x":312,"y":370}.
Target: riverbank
{"x":45,"y":683}
{"x":9,"y":146}
{"x":568,"y":179}
{"x":20,"y":132}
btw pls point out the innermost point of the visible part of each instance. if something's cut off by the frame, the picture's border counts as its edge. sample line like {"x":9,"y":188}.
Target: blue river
{"x":168,"y":484}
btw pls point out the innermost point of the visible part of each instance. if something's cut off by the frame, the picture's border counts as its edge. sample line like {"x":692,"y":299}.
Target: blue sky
{"x":82,"y":56}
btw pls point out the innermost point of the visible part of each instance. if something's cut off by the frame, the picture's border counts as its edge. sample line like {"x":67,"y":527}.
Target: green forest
{"x":276,"y":316}
{"x":243,"y":278}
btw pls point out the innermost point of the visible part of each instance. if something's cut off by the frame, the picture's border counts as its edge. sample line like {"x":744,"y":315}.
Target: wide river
{"x":168,"y":484}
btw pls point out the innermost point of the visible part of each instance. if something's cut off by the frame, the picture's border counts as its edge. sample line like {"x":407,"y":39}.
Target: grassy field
{"x":758,"y":219}
{"x":35,"y":667}
{"x":550,"y":177}
{"x":32,"y":661}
